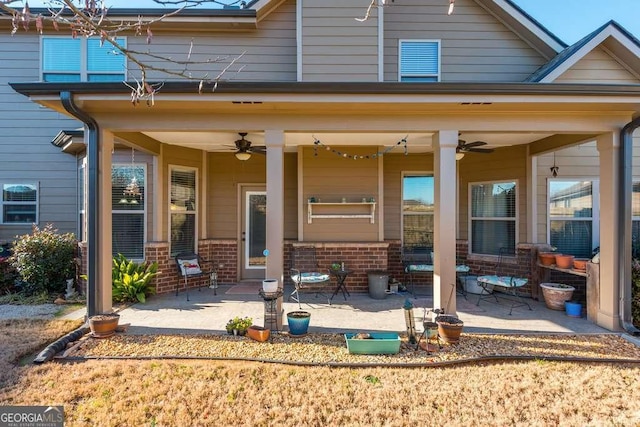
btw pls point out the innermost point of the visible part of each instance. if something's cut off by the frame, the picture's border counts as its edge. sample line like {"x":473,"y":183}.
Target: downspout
{"x":624,"y":224}
{"x":92,"y":137}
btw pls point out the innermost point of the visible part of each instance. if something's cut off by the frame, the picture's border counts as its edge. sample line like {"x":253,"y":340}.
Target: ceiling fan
{"x":245,"y":149}
{"x":471,"y":147}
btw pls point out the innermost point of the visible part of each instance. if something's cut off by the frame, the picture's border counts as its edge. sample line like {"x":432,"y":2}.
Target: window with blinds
{"x":128,"y":211}
{"x":417,"y":210}
{"x":19,"y":203}
{"x":419,"y":61}
{"x":65,"y":59}
{"x":183,"y":210}
{"x":493,"y":217}
{"x":571,"y":216}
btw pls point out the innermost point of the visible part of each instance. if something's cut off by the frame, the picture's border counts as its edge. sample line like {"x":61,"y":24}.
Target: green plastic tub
{"x":379,"y":343}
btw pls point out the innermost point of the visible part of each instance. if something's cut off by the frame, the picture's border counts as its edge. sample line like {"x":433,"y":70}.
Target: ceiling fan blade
{"x":475,"y":144}
{"x":479,"y":150}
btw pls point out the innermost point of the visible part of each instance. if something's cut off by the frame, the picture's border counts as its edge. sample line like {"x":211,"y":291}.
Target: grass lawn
{"x":223,"y":393}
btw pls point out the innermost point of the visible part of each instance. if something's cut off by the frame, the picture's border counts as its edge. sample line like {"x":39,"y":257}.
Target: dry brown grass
{"x":222,"y":393}
{"x":186,"y":393}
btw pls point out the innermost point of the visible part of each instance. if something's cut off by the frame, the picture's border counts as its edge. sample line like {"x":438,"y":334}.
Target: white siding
{"x":26,"y":131}
{"x":475,"y":45}
{"x":336,"y":47}
{"x":597,"y":67}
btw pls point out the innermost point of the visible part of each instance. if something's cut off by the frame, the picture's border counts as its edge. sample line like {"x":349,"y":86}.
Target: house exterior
{"x":361,"y":123}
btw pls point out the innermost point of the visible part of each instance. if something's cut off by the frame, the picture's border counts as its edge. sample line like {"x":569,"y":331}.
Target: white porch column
{"x":274,"y":141}
{"x":609,"y":295}
{"x":103,"y":279}
{"x":444,"y":236}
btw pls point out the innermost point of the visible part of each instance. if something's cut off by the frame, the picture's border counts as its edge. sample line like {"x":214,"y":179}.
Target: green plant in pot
{"x":238,"y":325}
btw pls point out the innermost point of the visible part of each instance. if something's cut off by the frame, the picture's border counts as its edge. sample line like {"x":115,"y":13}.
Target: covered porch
{"x":393,"y":129}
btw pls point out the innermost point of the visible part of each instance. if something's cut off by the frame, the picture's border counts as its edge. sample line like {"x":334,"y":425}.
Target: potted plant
{"x":238,"y":325}
{"x":555,"y":294}
{"x":337,"y":265}
{"x":449,"y":328}
{"x":258,"y":333}
{"x":298,"y":322}
{"x":104,"y":325}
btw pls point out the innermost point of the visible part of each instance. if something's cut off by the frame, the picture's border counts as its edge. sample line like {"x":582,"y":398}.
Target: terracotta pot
{"x":556,"y":294}
{"x":580,"y":264}
{"x":258,"y":333}
{"x":449,"y":328}
{"x":564,"y":261}
{"x":547,"y":258}
{"x":104,"y":325}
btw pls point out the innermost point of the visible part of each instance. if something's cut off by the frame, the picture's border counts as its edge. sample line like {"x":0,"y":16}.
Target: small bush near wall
{"x":635,"y":292}
{"x":130,"y":281}
{"x":8,"y":273}
{"x":44,"y":260}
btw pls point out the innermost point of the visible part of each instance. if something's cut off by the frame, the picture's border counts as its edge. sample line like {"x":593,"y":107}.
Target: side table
{"x":341,"y":276}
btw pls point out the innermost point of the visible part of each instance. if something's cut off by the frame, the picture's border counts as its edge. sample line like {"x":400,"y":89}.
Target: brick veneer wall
{"x":358,"y":257}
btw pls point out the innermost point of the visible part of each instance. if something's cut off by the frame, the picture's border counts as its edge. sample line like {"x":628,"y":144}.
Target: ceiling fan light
{"x":459,"y":155}
{"x":243,"y":155}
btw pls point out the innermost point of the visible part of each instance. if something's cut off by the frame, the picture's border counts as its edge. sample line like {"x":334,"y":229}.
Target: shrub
{"x":635,"y":292}
{"x":8,"y":273}
{"x":44,"y":260}
{"x":131,"y":280}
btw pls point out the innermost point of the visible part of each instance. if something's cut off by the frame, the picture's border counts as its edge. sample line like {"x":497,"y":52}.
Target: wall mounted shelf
{"x":340,"y":210}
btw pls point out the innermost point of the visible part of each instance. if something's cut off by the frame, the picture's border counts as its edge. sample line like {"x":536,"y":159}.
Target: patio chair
{"x":506,"y":286}
{"x":305,"y":273}
{"x":416,"y":260}
{"x":191,"y":267}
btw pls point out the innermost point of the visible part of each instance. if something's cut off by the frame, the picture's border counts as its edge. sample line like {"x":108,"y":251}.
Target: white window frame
{"x":142,"y":211}
{"x":438,"y":43}
{"x":409,"y":174}
{"x":634,"y":218}
{"x":82,"y":206}
{"x":595,"y":208}
{"x":84,"y":73}
{"x":36,"y":203}
{"x":172,"y":168}
{"x":515,"y":219}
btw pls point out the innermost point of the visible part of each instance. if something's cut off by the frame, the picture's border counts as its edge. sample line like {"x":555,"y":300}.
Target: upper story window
{"x":65,"y":59}
{"x":493,"y":217}
{"x":19,"y":203}
{"x":417,"y":210}
{"x":419,"y":61}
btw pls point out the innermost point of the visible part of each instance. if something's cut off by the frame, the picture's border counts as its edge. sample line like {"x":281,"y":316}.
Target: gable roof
{"x":612,"y":35}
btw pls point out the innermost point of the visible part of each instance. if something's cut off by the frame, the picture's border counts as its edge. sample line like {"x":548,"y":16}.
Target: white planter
{"x":270,"y":285}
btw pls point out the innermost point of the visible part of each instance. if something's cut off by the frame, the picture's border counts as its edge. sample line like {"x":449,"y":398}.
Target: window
{"x":419,"y":61}
{"x":635,"y":212}
{"x":571,"y":216}
{"x":66,"y":59}
{"x":183,"y":210}
{"x":19,"y":203}
{"x":493,"y":217}
{"x":128,"y":210}
{"x":417,"y":210}
{"x":82,"y":209}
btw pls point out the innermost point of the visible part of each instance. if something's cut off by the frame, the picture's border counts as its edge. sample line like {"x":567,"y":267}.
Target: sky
{"x":571,"y":20}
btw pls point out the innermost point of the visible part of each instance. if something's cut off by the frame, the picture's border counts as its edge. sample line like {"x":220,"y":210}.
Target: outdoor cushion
{"x":429,"y":268}
{"x":503,"y":281}
{"x":189,"y":267}
{"x":310,"y":277}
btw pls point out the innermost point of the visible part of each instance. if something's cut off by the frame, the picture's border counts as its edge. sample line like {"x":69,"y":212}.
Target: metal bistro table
{"x":341,"y":276}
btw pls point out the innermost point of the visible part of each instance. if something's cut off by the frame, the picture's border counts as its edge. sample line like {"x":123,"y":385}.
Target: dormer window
{"x":419,"y":61}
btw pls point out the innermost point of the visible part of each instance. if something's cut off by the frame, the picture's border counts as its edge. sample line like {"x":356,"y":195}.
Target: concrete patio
{"x":207,"y":313}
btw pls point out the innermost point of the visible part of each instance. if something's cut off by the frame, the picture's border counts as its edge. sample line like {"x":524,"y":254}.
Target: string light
{"x":317,"y":143}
